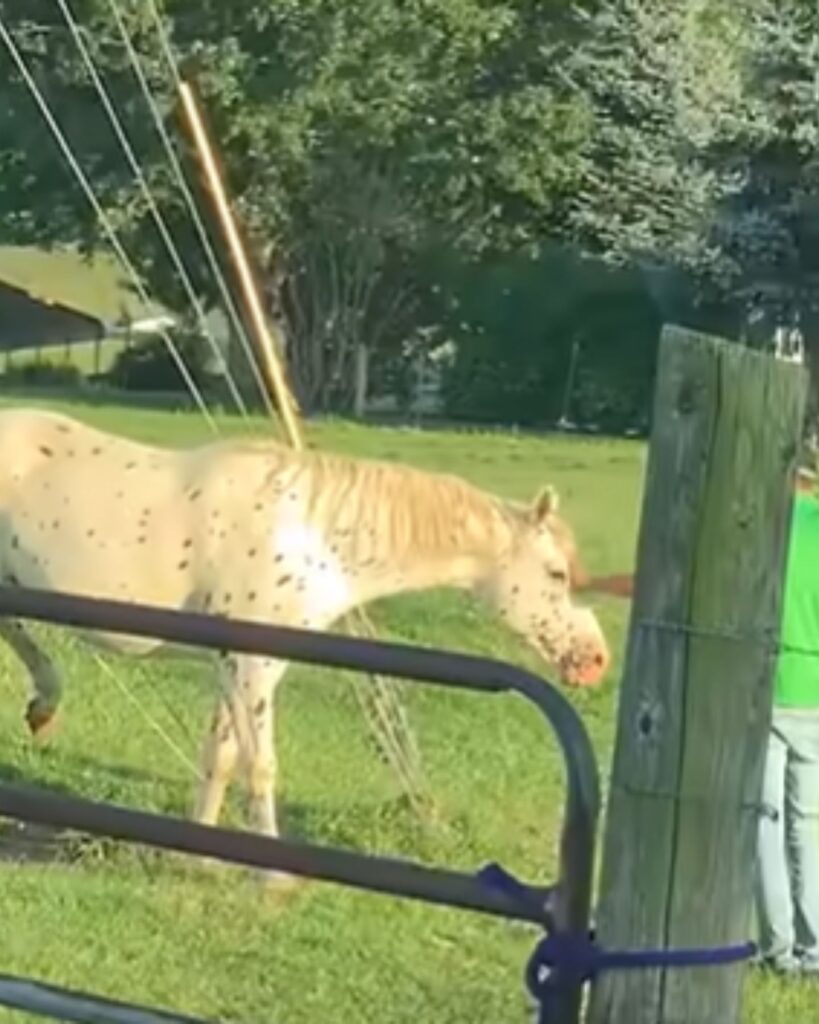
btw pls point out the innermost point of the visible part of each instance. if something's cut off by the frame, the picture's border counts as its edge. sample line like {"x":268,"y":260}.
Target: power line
{"x":230,"y":305}
{"x":104,"y":219}
{"x":159,"y":220}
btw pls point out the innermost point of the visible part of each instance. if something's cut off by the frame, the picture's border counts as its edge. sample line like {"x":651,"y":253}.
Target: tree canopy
{"x":383,"y":152}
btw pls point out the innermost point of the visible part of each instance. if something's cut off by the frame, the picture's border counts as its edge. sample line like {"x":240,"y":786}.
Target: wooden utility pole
{"x":696,"y":696}
{"x":381,"y":702}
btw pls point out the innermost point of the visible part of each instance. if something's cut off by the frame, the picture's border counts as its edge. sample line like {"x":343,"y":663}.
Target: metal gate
{"x":560,"y":908}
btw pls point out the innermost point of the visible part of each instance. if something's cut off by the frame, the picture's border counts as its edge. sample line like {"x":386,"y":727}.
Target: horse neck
{"x":415,"y":533}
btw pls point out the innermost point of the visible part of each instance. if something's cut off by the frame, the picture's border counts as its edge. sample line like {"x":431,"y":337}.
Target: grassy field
{"x":139,"y":926}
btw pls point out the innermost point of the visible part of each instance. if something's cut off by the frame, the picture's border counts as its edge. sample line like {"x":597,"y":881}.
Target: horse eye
{"x":559,"y":575}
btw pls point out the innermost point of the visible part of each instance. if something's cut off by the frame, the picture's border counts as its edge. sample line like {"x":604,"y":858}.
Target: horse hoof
{"x":40,"y":720}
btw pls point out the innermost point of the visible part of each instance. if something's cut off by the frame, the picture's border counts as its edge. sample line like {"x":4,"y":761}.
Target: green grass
{"x":139,"y":926}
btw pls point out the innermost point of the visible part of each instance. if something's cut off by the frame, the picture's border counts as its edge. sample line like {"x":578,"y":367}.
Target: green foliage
{"x":150,"y":366}
{"x":353,"y":135}
{"x":557,"y":336}
{"x":41,"y":374}
{"x":677,"y":137}
{"x":767,"y":233}
{"x":661,"y":79}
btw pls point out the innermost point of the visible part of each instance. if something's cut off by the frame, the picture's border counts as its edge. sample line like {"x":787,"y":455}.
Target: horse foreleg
{"x":254,"y":686}
{"x":44,"y":677}
{"x":242,"y":730}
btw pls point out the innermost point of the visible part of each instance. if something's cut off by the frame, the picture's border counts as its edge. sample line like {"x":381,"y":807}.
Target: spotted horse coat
{"x":251,"y":529}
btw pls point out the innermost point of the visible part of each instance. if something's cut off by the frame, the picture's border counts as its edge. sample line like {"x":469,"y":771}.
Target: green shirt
{"x":796,"y":684}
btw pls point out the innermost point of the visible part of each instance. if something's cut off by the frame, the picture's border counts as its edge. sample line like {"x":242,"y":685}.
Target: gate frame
{"x":563,"y":907}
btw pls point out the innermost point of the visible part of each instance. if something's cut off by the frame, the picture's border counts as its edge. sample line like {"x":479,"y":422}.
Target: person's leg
{"x":801,"y":732}
{"x":774,"y":907}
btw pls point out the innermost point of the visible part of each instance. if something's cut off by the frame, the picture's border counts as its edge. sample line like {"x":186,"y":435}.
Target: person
{"x":787,"y":876}
{"x":788,"y":841}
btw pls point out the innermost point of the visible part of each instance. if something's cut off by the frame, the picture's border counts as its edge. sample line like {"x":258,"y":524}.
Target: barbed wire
{"x":766,"y":637}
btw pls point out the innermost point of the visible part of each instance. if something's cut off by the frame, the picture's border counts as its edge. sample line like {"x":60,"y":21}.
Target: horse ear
{"x":546,"y":504}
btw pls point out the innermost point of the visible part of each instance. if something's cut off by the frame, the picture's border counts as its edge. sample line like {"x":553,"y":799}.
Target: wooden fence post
{"x":683,"y":807}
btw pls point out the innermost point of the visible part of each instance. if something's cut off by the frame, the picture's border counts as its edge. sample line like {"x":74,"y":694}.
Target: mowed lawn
{"x":141,"y":926}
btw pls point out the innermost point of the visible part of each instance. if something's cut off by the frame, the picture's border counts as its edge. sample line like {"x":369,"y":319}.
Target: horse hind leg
{"x":242,"y":733}
{"x":219,"y":756}
{"x":45,"y":680}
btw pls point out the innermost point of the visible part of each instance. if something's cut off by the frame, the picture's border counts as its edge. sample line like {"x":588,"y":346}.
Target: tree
{"x":661,"y":79}
{"x":355,"y":137}
{"x":767,"y":233}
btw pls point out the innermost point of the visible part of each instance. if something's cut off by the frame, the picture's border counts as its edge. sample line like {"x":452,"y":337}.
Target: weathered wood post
{"x":679,"y":855}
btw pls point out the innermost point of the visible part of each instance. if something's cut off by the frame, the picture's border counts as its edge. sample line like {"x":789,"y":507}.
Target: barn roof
{"x":30,"y":322}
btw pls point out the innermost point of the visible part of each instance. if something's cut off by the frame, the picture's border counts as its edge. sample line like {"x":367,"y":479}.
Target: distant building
{"x":27,"y":322}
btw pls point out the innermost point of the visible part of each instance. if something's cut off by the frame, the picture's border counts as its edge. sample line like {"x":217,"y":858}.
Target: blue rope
{"x":565,"y":959}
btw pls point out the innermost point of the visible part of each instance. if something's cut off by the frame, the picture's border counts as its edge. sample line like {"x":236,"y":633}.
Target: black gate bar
{"x":564,"y":906}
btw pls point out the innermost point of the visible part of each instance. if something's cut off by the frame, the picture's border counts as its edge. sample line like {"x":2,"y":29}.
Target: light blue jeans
{"x":788,"y":875}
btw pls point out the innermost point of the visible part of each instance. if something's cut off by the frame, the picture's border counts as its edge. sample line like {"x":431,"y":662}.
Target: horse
{"x":252,"y":529}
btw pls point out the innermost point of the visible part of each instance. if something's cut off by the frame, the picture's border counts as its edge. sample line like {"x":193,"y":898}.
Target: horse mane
{"x":390,"y":511}
{"x":396,"y":511}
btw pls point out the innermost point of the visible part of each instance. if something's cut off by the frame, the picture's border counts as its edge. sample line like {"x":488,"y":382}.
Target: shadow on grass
{"x":22,"y":841}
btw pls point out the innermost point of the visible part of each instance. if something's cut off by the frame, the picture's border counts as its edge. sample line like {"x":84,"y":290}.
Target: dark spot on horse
{"x":90,"y":533}
{"x":292,"y":496}
{"x":130,"y":465}
{"x":258,"y":711}
{"x":55,"y":525}
{"x":70,"y":453}
{"x":188,"y":543}
{"x":251,"y":553}
{"x":141,"y":539}
{"x":259,"y":506}
{"x":280,"y":582}
{"x":44,"y":450}
{"x":96,"y":451}
{"x":183,"y":564}
{"x":279,"y":558}
{"x":251,"y":595}
{"x":207,"y":600}
{"x":63,"y":429}
{"x":195,"y":494}
{"x":15,"y":541}
{"x":12,"y":579}
{"x":228,"y":597}
{"x":120,"y":494}
{"x":322,"y":566}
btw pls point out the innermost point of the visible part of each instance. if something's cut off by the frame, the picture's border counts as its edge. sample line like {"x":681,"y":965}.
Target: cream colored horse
{"x":253,"y":530}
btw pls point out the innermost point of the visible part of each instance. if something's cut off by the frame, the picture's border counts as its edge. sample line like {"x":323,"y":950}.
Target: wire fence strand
{"x":105,"y":221}
{"x":159,"y":123}
{"x":147,"y":192}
